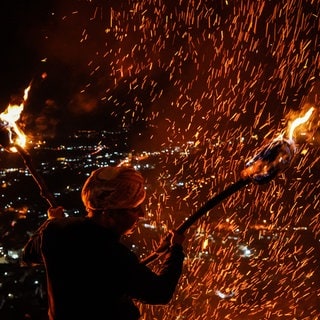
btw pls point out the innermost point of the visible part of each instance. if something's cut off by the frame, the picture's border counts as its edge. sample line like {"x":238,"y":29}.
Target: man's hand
{"x":57,"y":212}
{"x":177,"y":238}
{"x":172,"y":238}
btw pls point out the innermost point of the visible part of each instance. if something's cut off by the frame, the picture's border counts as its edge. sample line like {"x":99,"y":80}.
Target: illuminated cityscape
{"x":231,"y":260}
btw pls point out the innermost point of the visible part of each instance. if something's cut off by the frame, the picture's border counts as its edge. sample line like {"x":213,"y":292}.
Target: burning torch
{"x":12,"y":139}
{"x":262,"y":168}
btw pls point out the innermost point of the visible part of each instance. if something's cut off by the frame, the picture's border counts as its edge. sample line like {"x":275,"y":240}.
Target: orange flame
{"x":10,"y":117}
{"x":299,"y":121}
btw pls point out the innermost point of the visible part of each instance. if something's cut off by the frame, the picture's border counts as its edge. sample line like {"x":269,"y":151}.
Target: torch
{"x":262,"y":168}
{"x":44,"y":191}
{"x":12,"y":139}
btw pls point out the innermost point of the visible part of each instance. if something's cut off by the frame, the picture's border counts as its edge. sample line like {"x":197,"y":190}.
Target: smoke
{"x":44,"y":124}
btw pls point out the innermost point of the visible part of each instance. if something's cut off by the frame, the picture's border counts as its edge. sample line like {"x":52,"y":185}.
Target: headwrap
{"x":113,"y":188}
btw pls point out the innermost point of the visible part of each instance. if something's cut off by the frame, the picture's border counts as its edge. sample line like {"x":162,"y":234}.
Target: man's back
{"x":87,"y":271}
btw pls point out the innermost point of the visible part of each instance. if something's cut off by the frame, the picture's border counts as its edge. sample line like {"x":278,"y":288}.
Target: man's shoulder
{"x":67,"y":226}
{"x":78,"y":226}
{"x":67,"y":222}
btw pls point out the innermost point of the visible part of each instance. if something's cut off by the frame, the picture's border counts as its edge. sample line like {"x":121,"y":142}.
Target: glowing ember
{"x":270,"y":161}
{"x":9,"y":118}
{"x":275,"y":157}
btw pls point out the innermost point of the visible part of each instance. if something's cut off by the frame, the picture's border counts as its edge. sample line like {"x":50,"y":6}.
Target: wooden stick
{"x":44,"y":191}
{"x":198,"y":214}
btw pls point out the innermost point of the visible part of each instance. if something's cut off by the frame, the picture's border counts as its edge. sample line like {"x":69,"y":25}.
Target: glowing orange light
{"x":10,"y":117}
{"x":299,"y":121}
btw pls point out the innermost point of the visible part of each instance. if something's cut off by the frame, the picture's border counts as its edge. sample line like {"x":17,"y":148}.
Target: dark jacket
{"x":91,"y":275}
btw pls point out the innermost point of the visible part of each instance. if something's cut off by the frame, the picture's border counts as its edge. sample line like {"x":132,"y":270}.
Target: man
{"x":90,"y":273}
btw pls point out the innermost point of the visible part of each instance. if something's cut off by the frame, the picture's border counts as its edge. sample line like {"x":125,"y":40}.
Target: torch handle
{"x":199,"y":213}
{"x":44,"y":191}
{"x":231,"y":189}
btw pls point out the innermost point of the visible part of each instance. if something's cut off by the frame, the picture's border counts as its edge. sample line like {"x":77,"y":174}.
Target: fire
{"x":9,"y":120}
{"x":275,"y":157}
{"x":299,"y":121}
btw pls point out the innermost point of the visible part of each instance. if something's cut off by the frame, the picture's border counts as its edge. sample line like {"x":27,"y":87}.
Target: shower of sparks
{"x":206,"y":82}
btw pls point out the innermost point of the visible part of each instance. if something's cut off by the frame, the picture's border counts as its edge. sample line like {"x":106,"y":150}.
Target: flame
{"x":297,"y":122}
{"x":276,"y":156}
{"x":10,"y":117}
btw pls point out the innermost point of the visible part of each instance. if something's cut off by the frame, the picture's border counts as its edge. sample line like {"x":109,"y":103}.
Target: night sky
{"x":190,"y":71}
{"x":227,"y":75}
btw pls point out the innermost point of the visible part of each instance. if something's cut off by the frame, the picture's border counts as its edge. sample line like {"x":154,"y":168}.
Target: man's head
{"x":113,"y":188}
{"x":117,"y":192}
